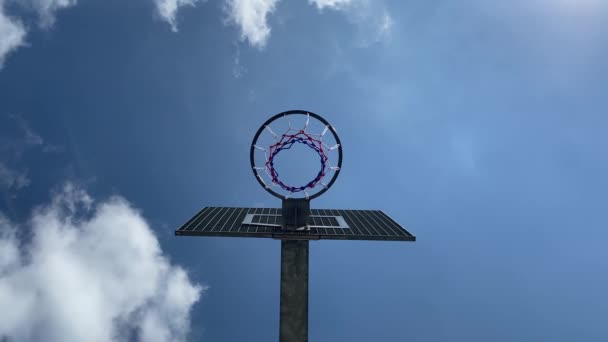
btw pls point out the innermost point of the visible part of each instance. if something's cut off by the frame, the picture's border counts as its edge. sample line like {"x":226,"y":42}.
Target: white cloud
{"x":46,"y":9}
{"x":167,"y":9}
{"x":12,"y":30}
{"x":332,"y":4}
{"x":251,"y":17}
{"x":91,"y":272}
{"x":12,"y":34}
{"x":372,"y":19}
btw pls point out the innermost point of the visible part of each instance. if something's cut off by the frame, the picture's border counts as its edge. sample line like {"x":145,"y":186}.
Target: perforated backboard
{"x":332,"y":224}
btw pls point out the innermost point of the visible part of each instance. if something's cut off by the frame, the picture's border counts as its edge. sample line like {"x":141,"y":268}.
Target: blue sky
{"x":478,"y":125}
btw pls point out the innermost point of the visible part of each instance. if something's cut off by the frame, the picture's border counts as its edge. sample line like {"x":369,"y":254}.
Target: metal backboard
{"x":331,"y":224}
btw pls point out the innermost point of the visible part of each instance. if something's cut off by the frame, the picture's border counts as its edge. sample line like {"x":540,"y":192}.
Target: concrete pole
{"x":293,"y":326}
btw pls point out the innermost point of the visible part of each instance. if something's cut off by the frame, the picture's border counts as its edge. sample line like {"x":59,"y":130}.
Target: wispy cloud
{"x":332,"y":4}
{"x":251,"y":17}
{"x":12,"y":34}
{"x":167,"y":9}
{"x":47,"y":9}
{"x":372,"y":19}
{"x":17,"y":139}
{"x":12,"y":179}
{"x":12,"y":30}
{"x":91,"y":272}
{"x":238,"y":69}
{"x":385,"y":24}
{"x":30,"y":137}
{"x":375,"y":25}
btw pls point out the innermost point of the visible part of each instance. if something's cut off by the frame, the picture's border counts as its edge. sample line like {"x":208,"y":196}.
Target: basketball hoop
{"x":299,"y":127}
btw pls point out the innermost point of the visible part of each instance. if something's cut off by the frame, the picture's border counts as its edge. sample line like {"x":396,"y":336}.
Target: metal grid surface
{"x":265,"y":223}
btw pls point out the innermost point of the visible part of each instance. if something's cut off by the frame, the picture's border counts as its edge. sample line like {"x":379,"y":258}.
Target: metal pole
{"x":293,"y":326}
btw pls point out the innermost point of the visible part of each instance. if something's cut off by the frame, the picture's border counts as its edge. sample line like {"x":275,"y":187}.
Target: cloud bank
{"x":90,"y":272}
{"x":250,"y":16}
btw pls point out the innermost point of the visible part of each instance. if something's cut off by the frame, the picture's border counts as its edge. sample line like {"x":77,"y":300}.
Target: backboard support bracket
{"x":296,"y":213}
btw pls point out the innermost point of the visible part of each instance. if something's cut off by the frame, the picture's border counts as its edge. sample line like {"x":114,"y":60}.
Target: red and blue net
{"x":318,"y":142}
{"x":285,"y":143}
